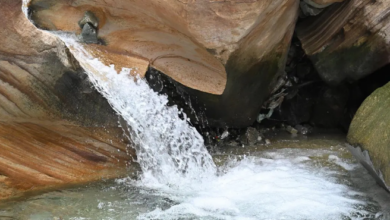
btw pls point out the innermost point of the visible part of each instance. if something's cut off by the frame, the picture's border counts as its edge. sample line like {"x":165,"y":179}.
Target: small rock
{"x":252,"y":135}
{"x":89,"y":34}
{"x":224,"y":135}
{"x":303,"y":129}
{"x":89,"y":18}
{"x":267,"y":142}
{"x":291,"y":130}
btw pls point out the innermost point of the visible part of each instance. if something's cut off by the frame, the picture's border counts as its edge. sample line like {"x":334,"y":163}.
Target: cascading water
{"x":168,"y":149}
{"x":176,"y":165}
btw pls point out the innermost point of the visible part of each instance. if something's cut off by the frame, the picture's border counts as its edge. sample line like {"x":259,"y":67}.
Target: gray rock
{"x":292,"y":130}
{"x":252,"y":135}
{"x":89,"y":34}
{"x":303,"y":129}
{"x":89,"y":18}
{"x":225,"y":134}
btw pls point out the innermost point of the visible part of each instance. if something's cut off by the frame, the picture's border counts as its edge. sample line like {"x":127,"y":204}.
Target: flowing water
{"x":180,"y":180}
{"x":290,"y":179}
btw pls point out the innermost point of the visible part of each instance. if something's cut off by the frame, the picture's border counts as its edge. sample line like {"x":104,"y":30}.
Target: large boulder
{"x":225,"y":54}
{"x":369,"y":134}
{"x":54,"y":128}
{"x":349,"y":40}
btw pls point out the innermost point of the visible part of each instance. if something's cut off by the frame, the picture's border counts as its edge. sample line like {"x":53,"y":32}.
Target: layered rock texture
{"x":54,"y":128}
{"x":370,"y":132}
{"x":348,"y":40}
{"x":225,"y":54}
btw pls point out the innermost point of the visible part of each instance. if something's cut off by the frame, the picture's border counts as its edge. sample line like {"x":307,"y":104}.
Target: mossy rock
{"x":370,"y":131}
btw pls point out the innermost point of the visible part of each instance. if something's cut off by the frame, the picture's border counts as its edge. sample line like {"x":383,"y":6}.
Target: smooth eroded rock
{"x":224,"y":54}
{"x":370,"y":131}
{"x":349,"y":40}
{"x":39,"y":155}
{"x":54,"y":128}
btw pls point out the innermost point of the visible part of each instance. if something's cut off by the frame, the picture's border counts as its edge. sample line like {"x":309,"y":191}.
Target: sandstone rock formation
{"x":224,"y":54}
{"x":54,"y":128}
{"x":349,"y":40}
{"x":370,"y":134}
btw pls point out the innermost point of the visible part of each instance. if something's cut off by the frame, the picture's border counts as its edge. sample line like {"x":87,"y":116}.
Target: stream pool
{"x":293,"y":178}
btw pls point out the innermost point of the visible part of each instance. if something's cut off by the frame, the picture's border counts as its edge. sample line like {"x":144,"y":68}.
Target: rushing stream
{"x":180,"y":180}
{"x":303,"y":179}
{"x":169,"y":150}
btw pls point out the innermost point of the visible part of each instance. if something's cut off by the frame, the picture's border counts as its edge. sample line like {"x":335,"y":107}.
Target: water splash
{"x":285,"y":184}
{"x":168,"y":149}
{"x":174,"y":160}
{"x":25,"y":7}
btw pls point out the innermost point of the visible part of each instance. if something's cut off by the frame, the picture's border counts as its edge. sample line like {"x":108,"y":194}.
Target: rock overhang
{"x":211,"y":48}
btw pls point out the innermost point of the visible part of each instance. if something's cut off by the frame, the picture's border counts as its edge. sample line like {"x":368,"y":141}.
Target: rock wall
{"x":349,"y":40}
{"x":54,"y":128}
{"x":225,"y":54}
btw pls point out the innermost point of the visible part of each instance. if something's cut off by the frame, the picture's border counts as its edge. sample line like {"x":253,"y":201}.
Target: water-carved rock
{"x":225,"y":54}
{"x":369,"y":133}
{"x":349,"y":40}
{"x":54,"y":129}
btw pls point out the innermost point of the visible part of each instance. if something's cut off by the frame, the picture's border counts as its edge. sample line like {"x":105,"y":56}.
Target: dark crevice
{"x":309,"y":103}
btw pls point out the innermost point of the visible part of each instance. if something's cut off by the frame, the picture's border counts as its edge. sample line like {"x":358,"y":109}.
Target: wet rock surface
{"x":224,"y":86}
{"x":227,"y":61}
{"x":370,"y":130}
{"x":55,"y":129}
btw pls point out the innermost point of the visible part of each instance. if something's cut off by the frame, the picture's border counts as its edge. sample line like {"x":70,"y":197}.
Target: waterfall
{"x":168,"y":149}
{"x":277,"y":184}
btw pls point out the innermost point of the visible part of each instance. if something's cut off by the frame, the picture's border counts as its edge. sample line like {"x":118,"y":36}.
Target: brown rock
{"x":50,"y":154}
{"x":52,"y":132}
{"x":224,"y":53}
{"x":349,"y":40}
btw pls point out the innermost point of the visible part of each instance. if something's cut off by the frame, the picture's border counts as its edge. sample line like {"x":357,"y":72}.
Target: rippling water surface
{"x":318,"y":180}
{"x":179,"y":179}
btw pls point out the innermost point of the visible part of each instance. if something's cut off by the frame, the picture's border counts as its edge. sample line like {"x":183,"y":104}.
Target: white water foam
{"x":174,"y":161}
{"x":262,"y":188}
{"x":176,"y":165}
{"x":25,"y":7}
